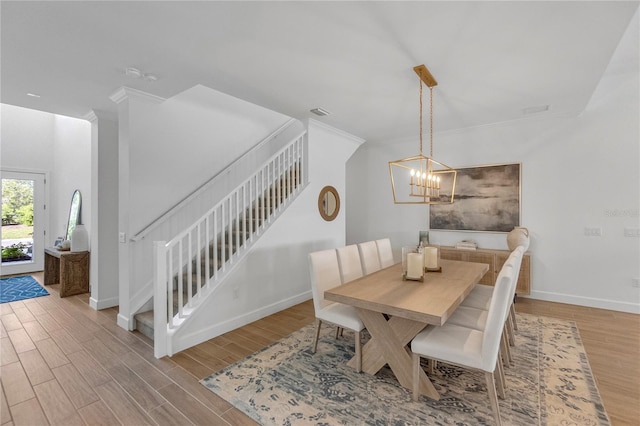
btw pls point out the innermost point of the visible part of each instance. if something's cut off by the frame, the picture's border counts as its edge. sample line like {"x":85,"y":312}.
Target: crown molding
{"x":125,"y":92}
{"x":90,"y":116}
{"x":358,"y":140}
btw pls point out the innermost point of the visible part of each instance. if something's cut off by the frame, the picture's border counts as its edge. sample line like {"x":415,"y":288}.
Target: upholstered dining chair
{"x":369,"y":257}
{"x":480,"y":296}
{"x":349,"y":263}
{"x":467,"y":347}
{"x":325,"y":275}
{"x":385,"y":253}
{"x":476,"y":318}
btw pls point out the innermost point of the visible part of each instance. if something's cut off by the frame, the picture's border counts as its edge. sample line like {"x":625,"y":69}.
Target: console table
{"x":495,"y":259}
{"x":69,"y":269}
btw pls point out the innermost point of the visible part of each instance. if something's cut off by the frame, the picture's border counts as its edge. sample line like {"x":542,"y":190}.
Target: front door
{"x":23,"y":222}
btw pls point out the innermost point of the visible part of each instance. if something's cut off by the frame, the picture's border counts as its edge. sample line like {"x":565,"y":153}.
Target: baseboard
{"x":124,"y":322}
{"x":103,"y":303}
{"x":189,"y":340}
{"x":592,"y":302}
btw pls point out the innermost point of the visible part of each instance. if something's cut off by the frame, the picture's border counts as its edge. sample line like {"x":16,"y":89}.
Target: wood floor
{"x":64,"y":363}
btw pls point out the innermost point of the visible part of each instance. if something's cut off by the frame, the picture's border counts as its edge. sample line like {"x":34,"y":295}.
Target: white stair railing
{"x":198,"y":259}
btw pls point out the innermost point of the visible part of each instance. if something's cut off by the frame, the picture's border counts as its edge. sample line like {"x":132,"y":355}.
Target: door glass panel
{"x":21,"y":213}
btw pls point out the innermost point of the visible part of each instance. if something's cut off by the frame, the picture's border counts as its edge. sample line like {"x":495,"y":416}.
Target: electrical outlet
{"x":632,"y":232}
{"x":635,"y":282}
{"x":592,"y":232}
{"x":122,"y":237}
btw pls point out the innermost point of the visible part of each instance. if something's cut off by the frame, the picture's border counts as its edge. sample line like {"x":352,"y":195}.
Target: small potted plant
{"x":14,"y":253}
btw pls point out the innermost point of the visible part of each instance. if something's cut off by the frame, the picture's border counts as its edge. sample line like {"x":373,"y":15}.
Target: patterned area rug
{"x":550,"y":383}
{"x":20,"y":288}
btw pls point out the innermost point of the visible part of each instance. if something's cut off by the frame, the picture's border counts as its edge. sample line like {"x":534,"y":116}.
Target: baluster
{"x":207,"y":250}
{"x":214,"y":242}
{"x":223,"y":253}
{"x":251,"y":199}
{"x":237,"y":221}
{"x":169,"y":288}
{"x":285,"y":173}
{"x":180,"y":248}
{"x":189,"y":267}
{"x":268,"y":207}
{"x":243,"y":212}
{"x":280,"y":182}
{"x":199,"y":252}
{"x":257,"y":205}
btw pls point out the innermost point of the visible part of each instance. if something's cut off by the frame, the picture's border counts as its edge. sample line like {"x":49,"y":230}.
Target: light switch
{"x":122,"y":237}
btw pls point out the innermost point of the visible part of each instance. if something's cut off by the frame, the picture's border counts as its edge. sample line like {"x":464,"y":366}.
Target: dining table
{"x":395,"y":310}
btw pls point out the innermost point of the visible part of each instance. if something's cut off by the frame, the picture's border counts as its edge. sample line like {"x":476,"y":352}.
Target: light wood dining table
{"x":394,"y":311}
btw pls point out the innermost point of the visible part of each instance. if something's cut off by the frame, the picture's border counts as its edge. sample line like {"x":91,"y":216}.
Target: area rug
{"x":550,"y":383}
{"x":20,"y":288}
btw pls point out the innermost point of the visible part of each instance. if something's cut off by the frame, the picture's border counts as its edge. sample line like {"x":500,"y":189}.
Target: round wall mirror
{"x":329,"y":203}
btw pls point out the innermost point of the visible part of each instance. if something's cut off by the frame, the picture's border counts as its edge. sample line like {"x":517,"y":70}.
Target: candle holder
{"x":431,"y":254}
{"x":412,"y":264}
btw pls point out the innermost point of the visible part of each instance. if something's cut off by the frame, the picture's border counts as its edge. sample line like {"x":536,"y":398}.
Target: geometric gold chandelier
{"x":421,"y":179}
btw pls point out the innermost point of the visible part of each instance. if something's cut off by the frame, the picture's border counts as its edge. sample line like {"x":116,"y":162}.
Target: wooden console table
{"x":69,"y":269}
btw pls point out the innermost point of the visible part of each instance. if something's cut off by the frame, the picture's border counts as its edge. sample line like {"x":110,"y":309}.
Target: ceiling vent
{"x":320,"y":111}
{"x":535,"y":109}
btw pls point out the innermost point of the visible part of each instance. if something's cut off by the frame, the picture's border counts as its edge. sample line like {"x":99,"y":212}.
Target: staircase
{"x":200,"y":258}
{"x":226,"y":246}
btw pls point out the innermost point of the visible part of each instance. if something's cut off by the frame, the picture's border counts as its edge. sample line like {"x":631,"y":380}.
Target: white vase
{"x":518,"y":237}
{"x":79,"y":238}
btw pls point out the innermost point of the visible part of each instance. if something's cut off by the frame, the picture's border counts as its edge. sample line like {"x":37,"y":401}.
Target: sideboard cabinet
{"x":495,"y":259}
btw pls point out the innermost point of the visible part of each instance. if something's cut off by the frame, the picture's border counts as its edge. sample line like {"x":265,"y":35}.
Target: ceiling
{"x":492,"y":60}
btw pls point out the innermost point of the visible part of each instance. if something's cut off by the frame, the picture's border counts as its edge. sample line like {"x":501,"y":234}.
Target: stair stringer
{"x":186,"y":336}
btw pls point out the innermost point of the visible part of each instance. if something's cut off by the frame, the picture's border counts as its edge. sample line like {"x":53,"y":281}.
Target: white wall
{"x":576,"y":172}
{"x":27,"y":139}
{"x":178,"y":144}
{"x":275,"y":274}
{"x":42,"y":142}
{"x":71,"y":171}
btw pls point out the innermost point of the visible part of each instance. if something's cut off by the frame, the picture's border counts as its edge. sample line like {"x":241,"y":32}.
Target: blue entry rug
{"x":20,"y":288}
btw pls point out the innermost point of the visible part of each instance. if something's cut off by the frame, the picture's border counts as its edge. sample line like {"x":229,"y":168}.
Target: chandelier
{"x":421,"y":179}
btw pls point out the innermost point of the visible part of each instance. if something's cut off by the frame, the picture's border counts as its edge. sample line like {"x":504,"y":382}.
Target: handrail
{"x":164,"y":216}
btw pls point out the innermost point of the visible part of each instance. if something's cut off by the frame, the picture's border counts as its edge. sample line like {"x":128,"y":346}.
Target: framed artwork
{"x":487,"y":199}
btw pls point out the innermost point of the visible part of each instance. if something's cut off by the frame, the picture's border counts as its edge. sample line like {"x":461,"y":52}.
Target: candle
{"x":415,"y":265}
{"x":431,"y":257}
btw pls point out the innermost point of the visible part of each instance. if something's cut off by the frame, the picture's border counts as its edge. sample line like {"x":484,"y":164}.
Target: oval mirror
{"x":329,"y":203}
{"x":75,"y":212}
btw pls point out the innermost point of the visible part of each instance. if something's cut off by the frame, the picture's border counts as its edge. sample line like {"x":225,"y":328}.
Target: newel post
{"x":159,"y":299}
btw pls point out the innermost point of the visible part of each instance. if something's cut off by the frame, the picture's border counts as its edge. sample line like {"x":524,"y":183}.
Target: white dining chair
{"x":467,"y":347}
{"x":349,"y":263}
{"x":480,"y":296}
{"x":369,"y":257}
{"x":325,"y":275}
{"x":470,"y":317}
{"x":385,"y":253}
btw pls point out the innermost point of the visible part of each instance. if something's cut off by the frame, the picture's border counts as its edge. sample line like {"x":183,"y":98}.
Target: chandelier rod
{"x":430,"y":121}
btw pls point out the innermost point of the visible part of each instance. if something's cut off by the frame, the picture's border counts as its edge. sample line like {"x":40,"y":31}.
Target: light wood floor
{"x":64,"y":363}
